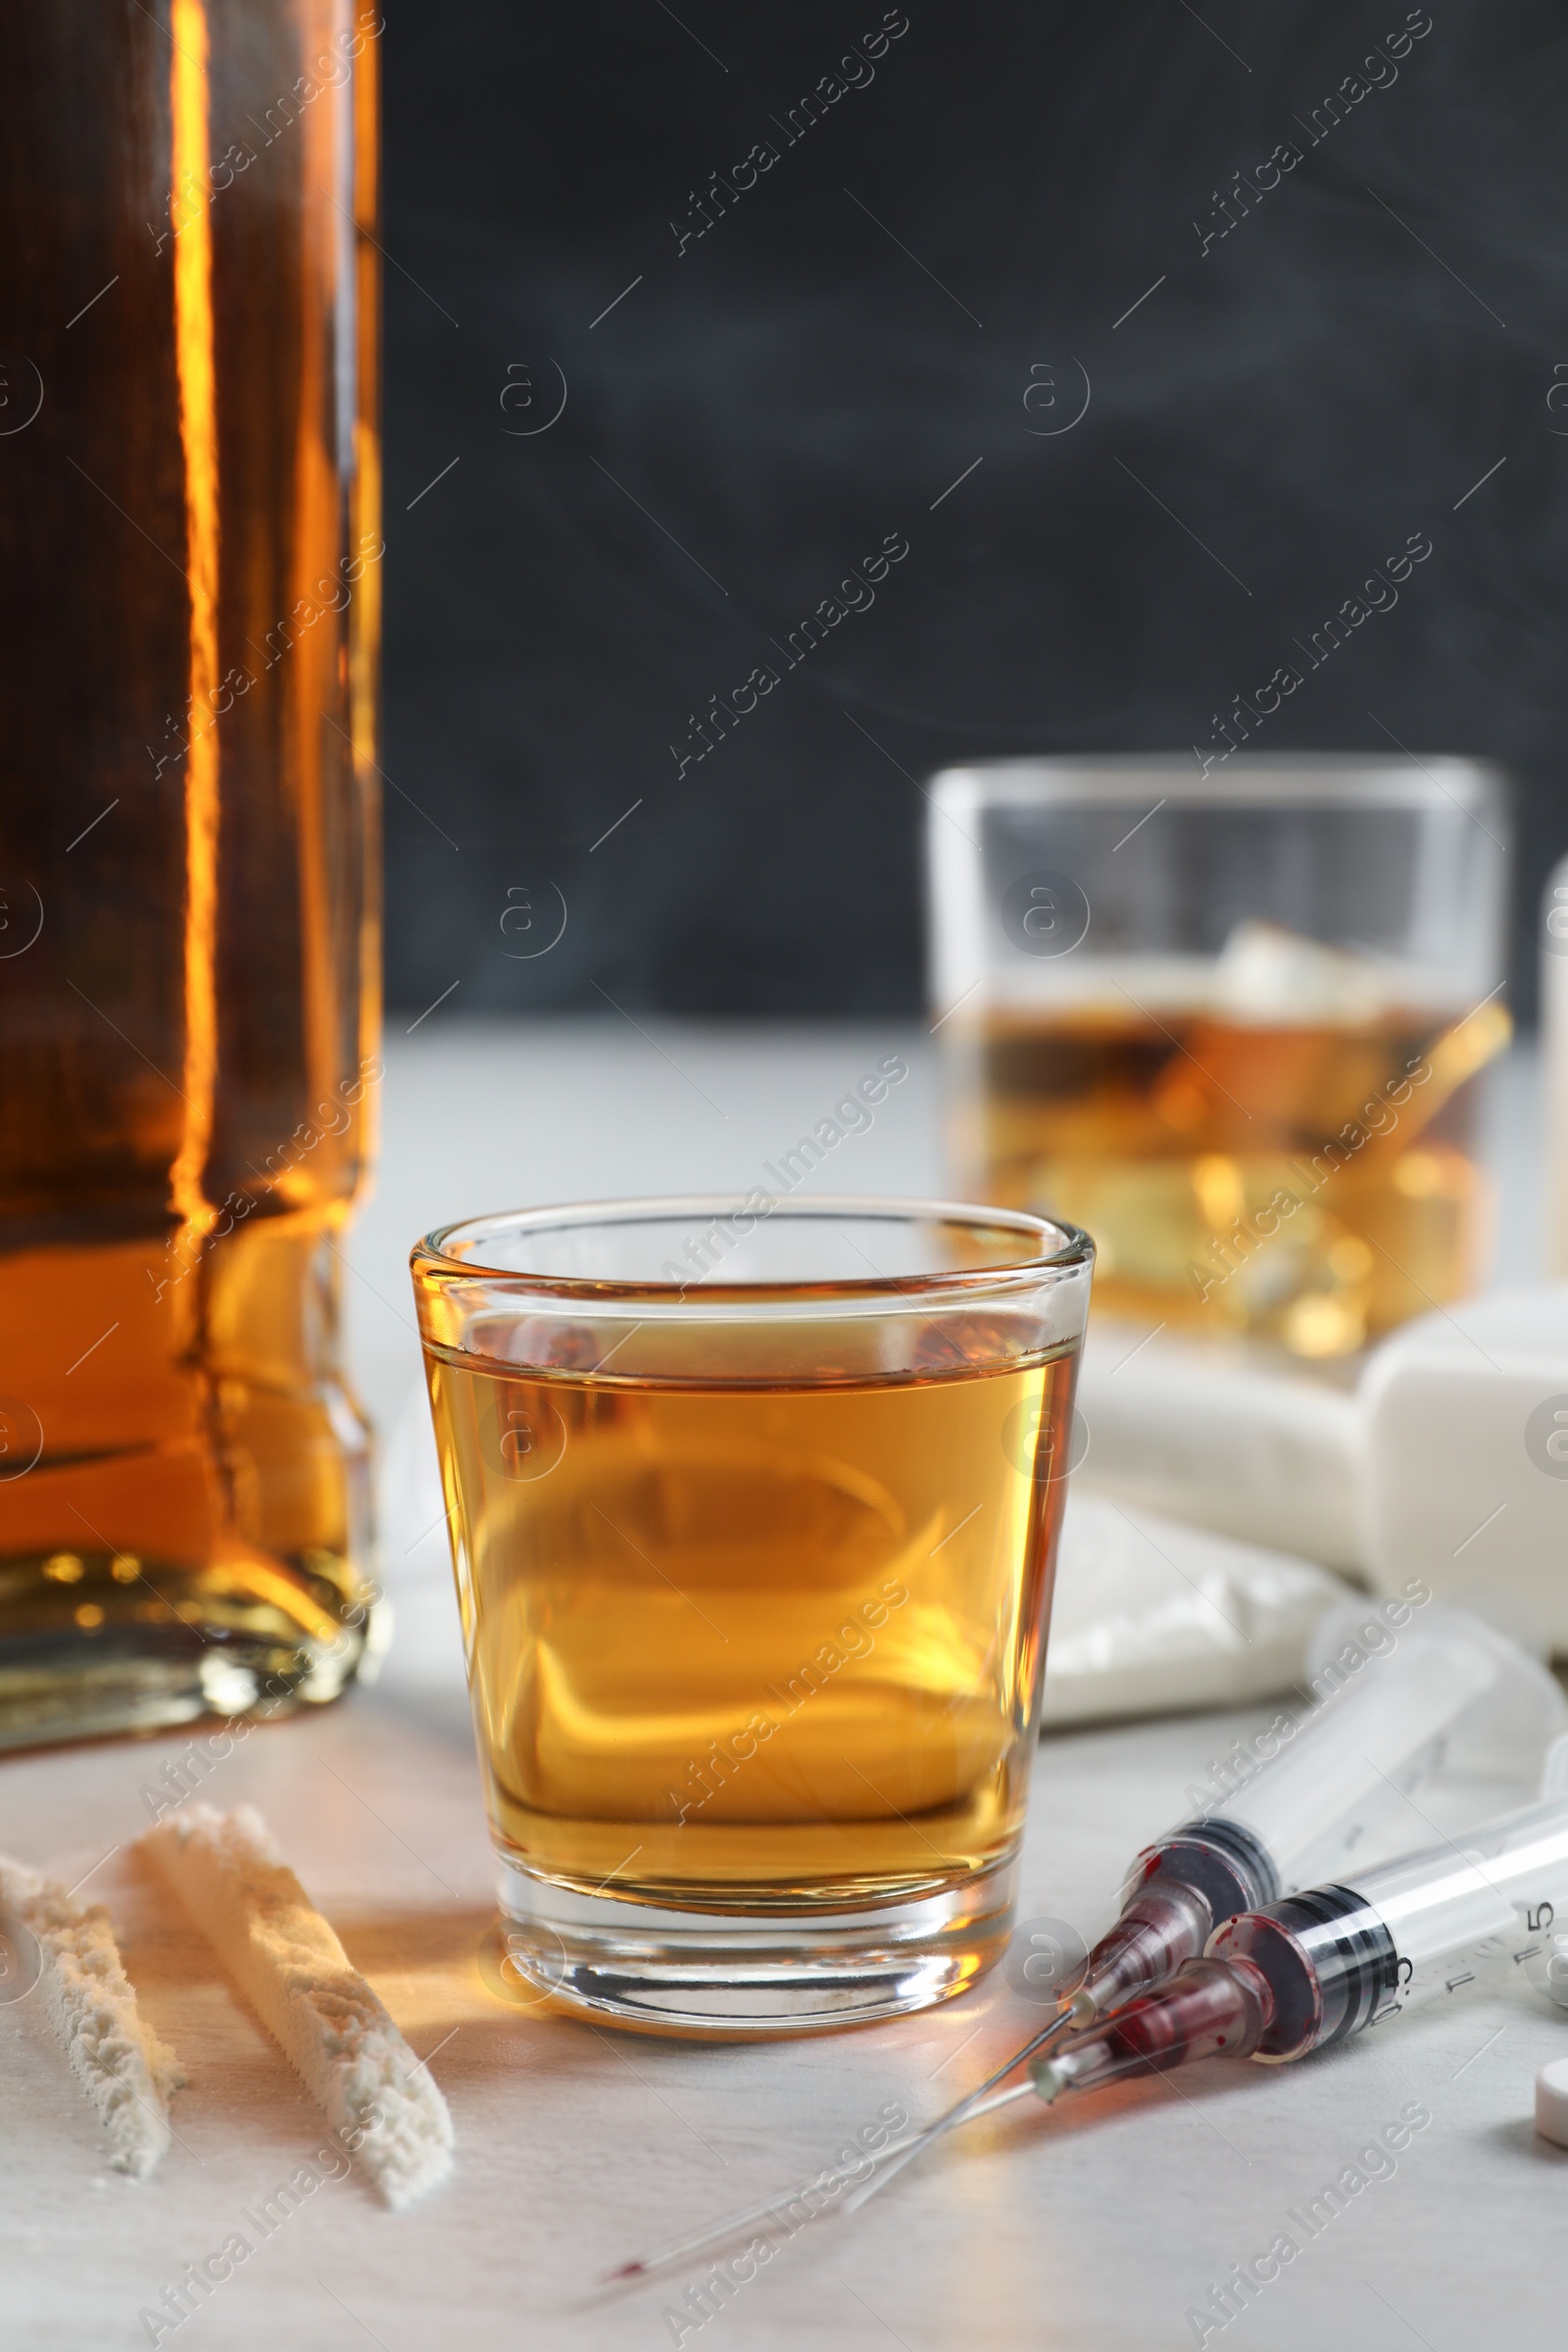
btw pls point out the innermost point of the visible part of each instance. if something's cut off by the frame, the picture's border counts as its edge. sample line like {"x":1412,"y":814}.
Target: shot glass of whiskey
{"x":753,"y":1507}
{"x":1231,"y":1022}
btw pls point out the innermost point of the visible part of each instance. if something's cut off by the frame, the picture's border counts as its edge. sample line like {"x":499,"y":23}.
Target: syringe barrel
{"x":1329,"y":1963}
{"x":1384,"y":1719}
{"x":1474,"y":1901}
{"x":1344,"y":1957}
{"x":1389,"y":1704}
{"x":1380,"y":1727}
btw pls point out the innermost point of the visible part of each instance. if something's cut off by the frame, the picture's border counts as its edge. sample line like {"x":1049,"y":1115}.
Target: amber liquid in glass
{"x":758,"y":1647}
{"x":190,"y":570}
{"x":1173,"y":1138}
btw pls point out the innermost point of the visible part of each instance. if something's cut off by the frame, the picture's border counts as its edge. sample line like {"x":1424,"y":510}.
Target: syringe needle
{"x":698,"y":2241}
{"x":976,"y":2103}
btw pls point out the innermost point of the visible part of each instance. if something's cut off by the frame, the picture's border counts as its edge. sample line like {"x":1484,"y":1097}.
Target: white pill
{"x":1552,"y":2102}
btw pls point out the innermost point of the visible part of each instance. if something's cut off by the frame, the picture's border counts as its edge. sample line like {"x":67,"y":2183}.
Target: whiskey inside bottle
{"x":763,"y":1646}
{"x":190,"y":577}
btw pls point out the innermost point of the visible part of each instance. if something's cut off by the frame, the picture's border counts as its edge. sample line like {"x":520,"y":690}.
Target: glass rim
{"x":1263,"y":779}
{"x":1073,"y":1249}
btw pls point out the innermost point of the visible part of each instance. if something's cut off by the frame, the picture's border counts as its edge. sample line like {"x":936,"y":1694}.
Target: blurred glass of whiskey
{"x":1232,"y":1024}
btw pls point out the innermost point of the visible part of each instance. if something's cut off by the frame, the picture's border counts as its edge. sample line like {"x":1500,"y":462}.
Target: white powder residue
{"x":227,"y":1871}
{"x":124,"y":2067}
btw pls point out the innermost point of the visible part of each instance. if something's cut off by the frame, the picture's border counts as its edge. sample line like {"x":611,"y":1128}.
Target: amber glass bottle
{"x":190,"y":562}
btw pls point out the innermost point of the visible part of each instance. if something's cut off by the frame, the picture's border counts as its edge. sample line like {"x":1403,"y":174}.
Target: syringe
{"x":1445,"y":1680}
{"x":1278,"y":1983}
{"x":1547,"y":1968}
{"x":1450,"y":1681}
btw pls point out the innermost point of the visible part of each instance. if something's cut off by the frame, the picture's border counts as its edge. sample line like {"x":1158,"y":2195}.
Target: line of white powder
{"x":124,"y":2067}
{"x":231,"y":1877}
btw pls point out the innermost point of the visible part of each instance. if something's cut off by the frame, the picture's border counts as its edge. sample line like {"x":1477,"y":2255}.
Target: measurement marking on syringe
{"x":1481,"y":2053}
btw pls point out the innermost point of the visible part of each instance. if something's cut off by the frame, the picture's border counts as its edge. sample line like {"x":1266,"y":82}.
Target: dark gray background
{"x":791,"y":387}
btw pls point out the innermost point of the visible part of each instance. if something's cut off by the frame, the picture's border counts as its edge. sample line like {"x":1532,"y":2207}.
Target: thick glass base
{"x":717,"y":1977}
{"x":94,"y":1644}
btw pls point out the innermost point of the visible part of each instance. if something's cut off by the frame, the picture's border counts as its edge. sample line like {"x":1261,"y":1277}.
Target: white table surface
{"x":1091,"y":2233}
